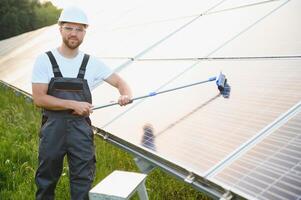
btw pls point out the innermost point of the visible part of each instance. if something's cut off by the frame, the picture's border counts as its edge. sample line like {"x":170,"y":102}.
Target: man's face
{"x":72,"y":34}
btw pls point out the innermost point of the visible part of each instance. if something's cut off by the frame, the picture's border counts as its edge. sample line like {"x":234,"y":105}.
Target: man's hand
{"x":81,"y":108}
{"x":42,"y":99}
{"x":123,"y":88}
{"x":124,"y":99}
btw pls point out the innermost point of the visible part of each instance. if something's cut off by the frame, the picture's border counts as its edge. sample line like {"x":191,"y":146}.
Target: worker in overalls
{"x":61,"y":82}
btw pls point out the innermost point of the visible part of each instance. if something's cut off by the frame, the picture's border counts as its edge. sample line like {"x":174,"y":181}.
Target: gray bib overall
{"x":63,"y":133}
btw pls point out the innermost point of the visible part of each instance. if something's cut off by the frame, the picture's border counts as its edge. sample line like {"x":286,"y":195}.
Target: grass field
{"x":19,"y":126}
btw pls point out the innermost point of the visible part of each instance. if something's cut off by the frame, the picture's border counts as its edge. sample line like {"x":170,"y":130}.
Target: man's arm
{"x":123,"y":88}
{"x":42,"y":99}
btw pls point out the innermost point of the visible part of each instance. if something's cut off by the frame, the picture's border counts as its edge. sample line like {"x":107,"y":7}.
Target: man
{"x":61,"y":83}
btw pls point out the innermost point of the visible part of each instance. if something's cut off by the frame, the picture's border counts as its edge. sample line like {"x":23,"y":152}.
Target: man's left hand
{"x":124,"y":100}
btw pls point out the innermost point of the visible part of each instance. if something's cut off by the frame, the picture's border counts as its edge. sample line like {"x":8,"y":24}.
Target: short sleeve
{"x":100,"y":72}
{"x":40,"y":72}
{"x":103,"y":71}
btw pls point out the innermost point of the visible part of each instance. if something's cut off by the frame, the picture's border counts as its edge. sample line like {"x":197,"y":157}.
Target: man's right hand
{"x":43,"y":100}
{"x":81,"y":108}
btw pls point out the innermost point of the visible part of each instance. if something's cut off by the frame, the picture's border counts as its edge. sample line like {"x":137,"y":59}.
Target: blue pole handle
{"x":152,"y":94}
{"x":212,"y":78}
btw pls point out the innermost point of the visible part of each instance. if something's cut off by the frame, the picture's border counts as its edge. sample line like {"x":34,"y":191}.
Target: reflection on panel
{"x":272,"y":169}
{"x":276,"y":35}
{"x":195,"y":127}
{"x":212,"y":32}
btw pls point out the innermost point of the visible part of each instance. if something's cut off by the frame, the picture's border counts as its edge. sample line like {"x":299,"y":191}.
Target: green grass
{"x":19,"y":127}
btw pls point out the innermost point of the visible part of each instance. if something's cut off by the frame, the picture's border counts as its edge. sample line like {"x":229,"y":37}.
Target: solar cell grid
{"x":278,"y":171}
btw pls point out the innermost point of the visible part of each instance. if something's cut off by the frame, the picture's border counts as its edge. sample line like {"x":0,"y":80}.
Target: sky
{"x":86,"y":4}
{"x":94,"y":7}
{"x":91,"y":5}
{"x":64,"y":3}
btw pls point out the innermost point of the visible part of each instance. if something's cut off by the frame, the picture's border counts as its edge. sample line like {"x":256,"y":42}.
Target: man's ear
{"x":60,"y":28}
{"x":60,"y":24}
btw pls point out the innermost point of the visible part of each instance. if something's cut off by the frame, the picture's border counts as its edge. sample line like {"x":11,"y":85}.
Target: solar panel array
{"x":247,"y":143}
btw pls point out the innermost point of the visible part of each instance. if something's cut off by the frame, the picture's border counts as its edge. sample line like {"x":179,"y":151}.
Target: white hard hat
{"x":75,"y":15}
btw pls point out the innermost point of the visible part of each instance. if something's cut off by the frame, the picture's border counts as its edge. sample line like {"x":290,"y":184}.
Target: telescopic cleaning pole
{"x":220,"y":82}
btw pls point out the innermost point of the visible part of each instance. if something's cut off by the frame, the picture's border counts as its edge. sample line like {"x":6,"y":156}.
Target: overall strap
{"x":82,"y":69}
{"x":55,"y":67}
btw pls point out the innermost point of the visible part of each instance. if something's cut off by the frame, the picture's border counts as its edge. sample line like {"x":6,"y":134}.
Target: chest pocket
{"x":69,"y":88}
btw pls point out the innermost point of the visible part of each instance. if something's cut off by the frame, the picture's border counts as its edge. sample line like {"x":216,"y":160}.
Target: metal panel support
{"x":143,"y":165}
{"x":227,"y":196}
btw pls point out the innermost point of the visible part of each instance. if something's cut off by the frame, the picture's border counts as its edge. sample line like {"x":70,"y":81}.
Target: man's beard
{"x":72,"y":44}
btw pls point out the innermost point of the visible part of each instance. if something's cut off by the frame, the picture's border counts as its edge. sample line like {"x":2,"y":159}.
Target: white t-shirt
{"x":96,"y":71}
